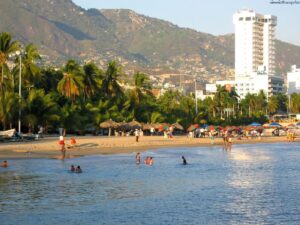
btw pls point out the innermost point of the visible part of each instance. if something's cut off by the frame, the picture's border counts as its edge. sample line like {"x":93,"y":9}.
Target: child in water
{"x":4,"y":164}
{"x":149,"y":161}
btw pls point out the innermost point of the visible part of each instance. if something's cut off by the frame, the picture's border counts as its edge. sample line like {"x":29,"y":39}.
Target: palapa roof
{"x":135,"y":125}
{"x":148,"y":126}
{"x":124,"y":126}
{"x":109,"y":124}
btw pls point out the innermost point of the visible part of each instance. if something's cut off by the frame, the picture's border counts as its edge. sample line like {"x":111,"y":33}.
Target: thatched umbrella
{"x":109,"y":124}
{"x":148,"y":126}
{"x":123,"y":126}
{"x":135,"y":125}
{"x":163,"y":127}
{"x":177,"y":126}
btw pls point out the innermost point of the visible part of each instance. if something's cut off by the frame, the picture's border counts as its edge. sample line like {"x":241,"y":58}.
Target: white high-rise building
{"x":254,"y":42}
{"x":255,"y":53}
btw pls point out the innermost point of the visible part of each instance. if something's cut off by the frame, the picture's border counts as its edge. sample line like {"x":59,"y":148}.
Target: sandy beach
{"x":92,"y":145}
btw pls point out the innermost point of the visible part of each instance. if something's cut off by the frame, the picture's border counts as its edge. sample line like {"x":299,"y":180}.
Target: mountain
{"x":64,"y":30}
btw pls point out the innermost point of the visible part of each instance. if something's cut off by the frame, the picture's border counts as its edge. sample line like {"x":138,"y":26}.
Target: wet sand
{"x":92,"y":145}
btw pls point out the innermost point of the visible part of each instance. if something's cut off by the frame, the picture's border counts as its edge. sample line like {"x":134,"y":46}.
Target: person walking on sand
{"x":138,"y":158}
{"x":137,"y":135}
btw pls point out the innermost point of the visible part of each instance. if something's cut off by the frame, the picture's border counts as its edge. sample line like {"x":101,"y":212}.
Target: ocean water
{"x":252,"y":184}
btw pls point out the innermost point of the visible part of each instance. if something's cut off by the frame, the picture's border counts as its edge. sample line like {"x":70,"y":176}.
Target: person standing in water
{"x":138,"y":158}
{"x":62,"y":146}
{"x":184,"y":162}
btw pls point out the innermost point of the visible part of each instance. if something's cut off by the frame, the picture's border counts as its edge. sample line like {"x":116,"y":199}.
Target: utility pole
{"x":196,"y":103}
{"x":19,"y":53}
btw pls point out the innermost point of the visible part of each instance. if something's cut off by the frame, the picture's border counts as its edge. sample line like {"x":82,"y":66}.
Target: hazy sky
{"x":210,"y":16}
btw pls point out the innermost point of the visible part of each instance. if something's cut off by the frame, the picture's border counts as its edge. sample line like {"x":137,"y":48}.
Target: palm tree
{"x":273,"y":104}
{"x":9,"y":104}
{"x":91,"y":79}
{"x":72,"y":81}
{"x":110,"y":83}
{"x":295,"y":103}
{"x":221,"y":99}
{"x":40,"y":109}
{"x":7,"y":47}
{"x":142,"y":87}
{"x":30,"y":71}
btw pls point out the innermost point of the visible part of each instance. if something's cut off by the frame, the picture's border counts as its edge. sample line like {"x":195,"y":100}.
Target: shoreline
{"x":95,"y":145}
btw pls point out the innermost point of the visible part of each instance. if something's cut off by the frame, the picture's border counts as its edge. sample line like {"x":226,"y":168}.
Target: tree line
{"x":80,"y":97}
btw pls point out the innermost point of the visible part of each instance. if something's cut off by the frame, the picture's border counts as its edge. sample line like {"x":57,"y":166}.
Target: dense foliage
{"x":79,"y":98}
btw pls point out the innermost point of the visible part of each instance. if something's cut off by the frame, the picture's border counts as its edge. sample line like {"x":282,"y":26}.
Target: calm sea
{"x":252,"y":184}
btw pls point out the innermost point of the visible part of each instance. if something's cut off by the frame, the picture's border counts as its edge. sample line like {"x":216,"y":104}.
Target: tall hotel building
{"x":255,"y":54}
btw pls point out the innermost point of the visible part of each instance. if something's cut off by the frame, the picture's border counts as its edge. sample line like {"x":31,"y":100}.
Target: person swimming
{"x":4,"y":164}
{"x":72,"y":169}
{"x":184,"y":162}
{"x":78,"y":169}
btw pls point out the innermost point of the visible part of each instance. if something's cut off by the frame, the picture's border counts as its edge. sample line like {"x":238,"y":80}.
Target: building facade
{"x":293,"y":80}
{"x":255,"y":54}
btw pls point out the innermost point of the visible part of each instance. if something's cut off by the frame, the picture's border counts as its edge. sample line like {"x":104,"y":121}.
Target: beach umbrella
{"x":266,"y":125}
{"x":163,"y":126}
{"x":123,"y":126}
{"x":193,"y":127}
{"x":135,"y":125}
{"x":177,"y":126}
{"x":148,"y":126}
{"x":205,"y":126}
{"x":274,"y":124}
{"x":291,"y":126}
{"x":109,"y":124}
{"x":254,"y":124}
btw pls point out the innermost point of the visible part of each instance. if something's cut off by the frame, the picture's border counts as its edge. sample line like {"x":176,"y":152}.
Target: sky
{"x":210,"y":16}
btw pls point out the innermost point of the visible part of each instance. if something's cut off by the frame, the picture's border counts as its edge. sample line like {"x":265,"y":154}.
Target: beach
{"x":48,"y":147}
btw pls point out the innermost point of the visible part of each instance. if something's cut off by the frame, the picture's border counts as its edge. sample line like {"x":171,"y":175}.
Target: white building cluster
{"x":293,"y":80}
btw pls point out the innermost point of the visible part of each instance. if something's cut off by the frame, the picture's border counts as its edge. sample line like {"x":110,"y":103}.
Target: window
{"x":248,"y":18}
{"x":241,"y":19}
